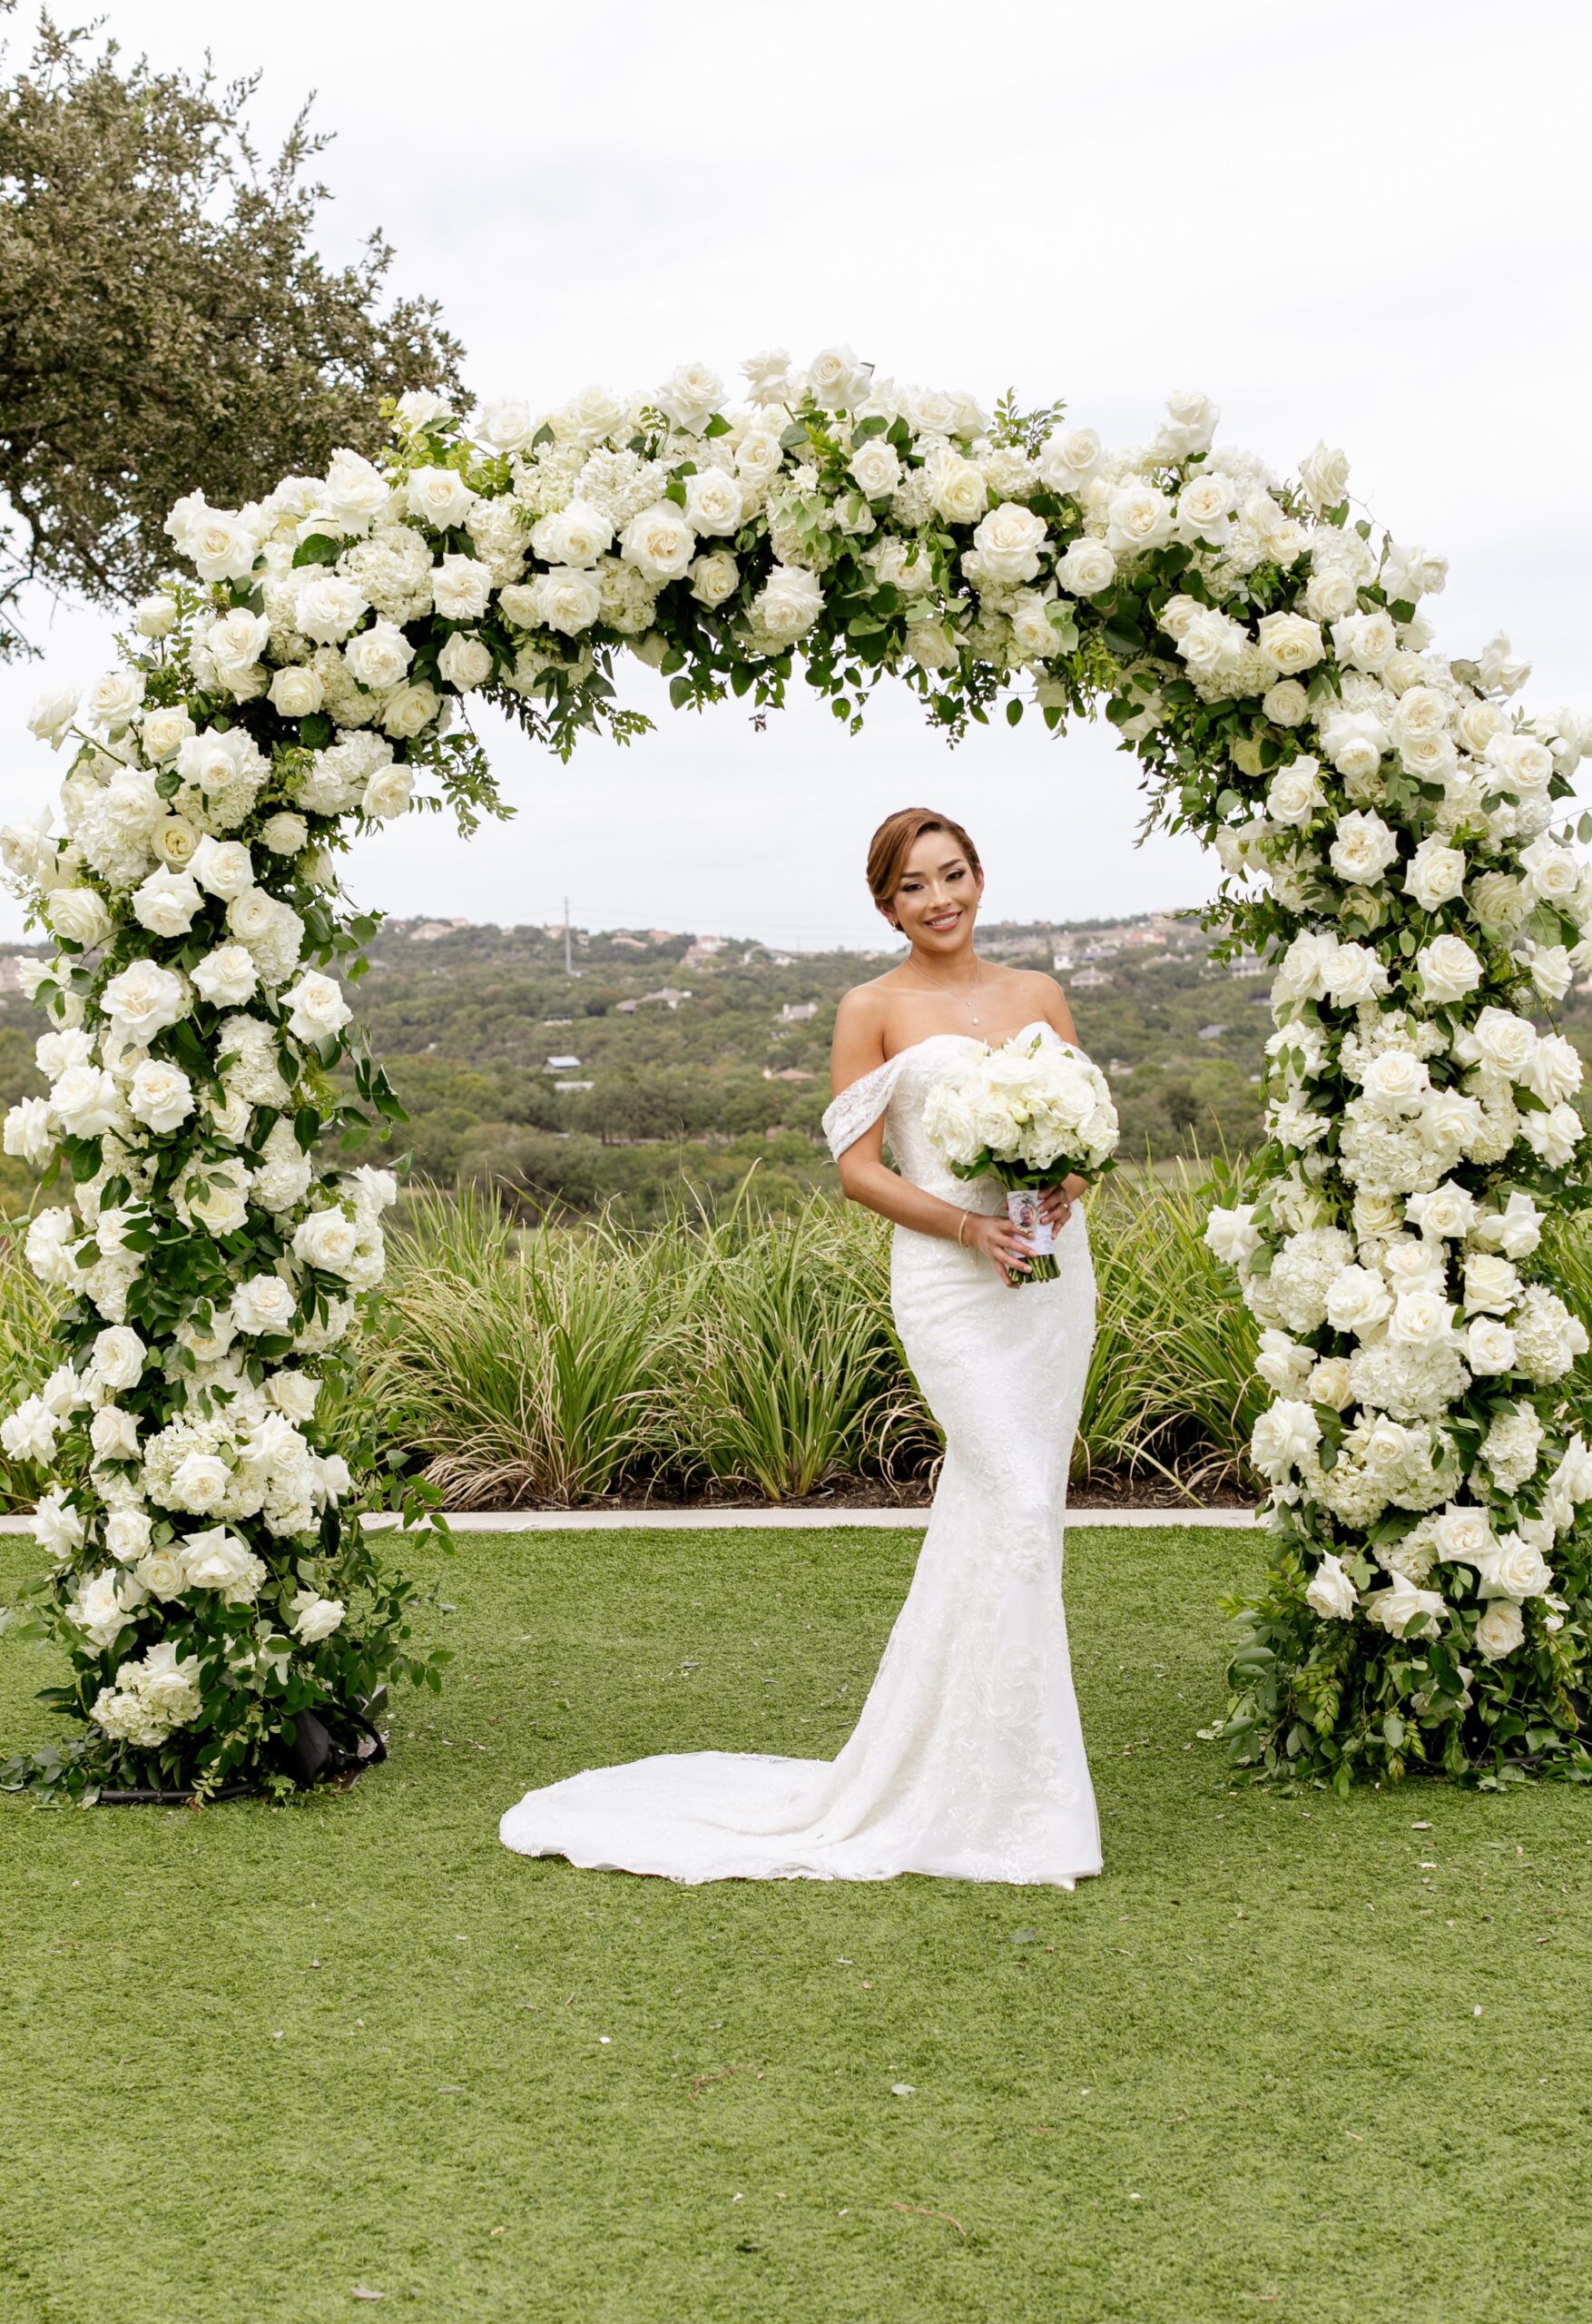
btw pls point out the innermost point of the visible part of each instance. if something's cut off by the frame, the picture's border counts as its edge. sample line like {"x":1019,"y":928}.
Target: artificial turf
{"x":1302,"y":2059}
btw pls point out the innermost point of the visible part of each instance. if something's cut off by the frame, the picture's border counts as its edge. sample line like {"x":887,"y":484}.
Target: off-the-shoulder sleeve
{"x":858,"y":1106}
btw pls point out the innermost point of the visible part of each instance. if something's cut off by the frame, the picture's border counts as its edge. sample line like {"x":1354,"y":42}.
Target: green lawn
{"x":255,"y":2058}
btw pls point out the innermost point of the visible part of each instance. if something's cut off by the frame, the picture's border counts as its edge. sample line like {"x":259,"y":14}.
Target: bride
{"x":967,"y":1759}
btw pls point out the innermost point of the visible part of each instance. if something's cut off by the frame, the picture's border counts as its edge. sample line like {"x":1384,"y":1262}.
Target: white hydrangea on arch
{"x":1392,"y":833}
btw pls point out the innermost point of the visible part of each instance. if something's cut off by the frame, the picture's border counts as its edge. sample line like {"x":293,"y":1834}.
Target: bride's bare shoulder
{"x":861,"y":1019}
{"x":1046,"y":1000}
{"x":866,"y":1007}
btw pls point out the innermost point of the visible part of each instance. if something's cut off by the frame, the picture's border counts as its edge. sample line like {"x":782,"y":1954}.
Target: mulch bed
{"x":1104,"y":1493}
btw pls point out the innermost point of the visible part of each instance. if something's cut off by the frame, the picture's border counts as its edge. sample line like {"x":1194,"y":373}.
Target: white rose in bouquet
{"x":1285,"y":1433}
{"x":78,"y":916}
{"x":410,"y":709}
{"x":1232,"y":1233}
{"x":379,"y":656}
{"x":327,"y":607}
{"x":223,"y":866}
{"x":464,"y":661}
{"x":790,"y":601}
{"x":145,"y":1000}
{"x":1008,"y":542}
{"x":1502,"y":1040}
{"x":227,"y":977}
{"x":1290,"y":642}
{"x":220,"y":1561}
{"x":566,"y":599}
{"x":1087,"y":568}
{"x":1401,"y":1606}
{"x":327,"y":1239}
{"x":659,"y":543}
{"x":52,"y":715}
{"x":1554,"y":1135}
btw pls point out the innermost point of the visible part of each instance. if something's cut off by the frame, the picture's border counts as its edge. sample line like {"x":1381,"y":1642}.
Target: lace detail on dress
{"x":859,"y":1105}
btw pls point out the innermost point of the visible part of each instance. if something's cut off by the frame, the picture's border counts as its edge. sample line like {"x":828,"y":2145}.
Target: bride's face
{"x":937,"y":901}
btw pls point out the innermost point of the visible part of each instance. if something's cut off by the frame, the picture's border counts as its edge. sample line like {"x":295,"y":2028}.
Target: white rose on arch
{"x":577,"y":534}
{"x":659,"y":542}
{"x":265,"y":1306}
{"x":713,"y":501}
{"x":567,"y":599}
{"x":379,"y":656}
{"x":1435,"y":873}
{"x":461,"y":588}
{"x":1009,"y":542}
{"x":1363,"y":847}
{"x":439,"y":497}
{"x":790,"y":601}
{"x":327,"y":1239}
{"x":1330,"y":1592}
{"x":464,"y":661}
{"x":326,"y":608}
{"x":316,"y":1009}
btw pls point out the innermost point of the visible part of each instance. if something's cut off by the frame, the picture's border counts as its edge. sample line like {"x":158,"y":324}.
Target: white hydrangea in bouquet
{"x":1031,"y":1113}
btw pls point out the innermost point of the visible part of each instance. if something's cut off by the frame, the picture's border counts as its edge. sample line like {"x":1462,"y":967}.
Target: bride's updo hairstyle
{"x":894,"y":841}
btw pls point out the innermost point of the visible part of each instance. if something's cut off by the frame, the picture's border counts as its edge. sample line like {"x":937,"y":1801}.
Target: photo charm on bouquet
{"x":1032,"y":1114}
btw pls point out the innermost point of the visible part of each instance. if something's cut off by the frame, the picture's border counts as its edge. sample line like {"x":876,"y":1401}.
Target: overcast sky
{"x":1339,"y":220}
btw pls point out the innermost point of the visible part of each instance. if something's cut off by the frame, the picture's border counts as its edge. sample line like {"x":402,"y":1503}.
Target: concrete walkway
{"x":706,"y":1520}
{"x":713,"y":1520}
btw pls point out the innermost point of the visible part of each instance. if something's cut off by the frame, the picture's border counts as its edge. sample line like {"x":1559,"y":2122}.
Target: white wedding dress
{"x":967,"y":1759}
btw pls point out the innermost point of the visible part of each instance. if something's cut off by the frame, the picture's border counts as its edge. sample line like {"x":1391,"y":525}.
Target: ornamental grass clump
{"x":523,"y":1370}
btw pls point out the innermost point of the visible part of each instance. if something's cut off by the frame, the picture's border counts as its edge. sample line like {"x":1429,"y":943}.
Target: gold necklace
{"x":973,"y":1017}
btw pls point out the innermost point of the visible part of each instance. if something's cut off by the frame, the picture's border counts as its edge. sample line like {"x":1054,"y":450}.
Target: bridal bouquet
{"x":1032,"y":1113}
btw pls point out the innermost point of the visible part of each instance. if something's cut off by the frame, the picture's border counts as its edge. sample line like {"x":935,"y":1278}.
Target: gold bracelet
{"x":963,"y":1228}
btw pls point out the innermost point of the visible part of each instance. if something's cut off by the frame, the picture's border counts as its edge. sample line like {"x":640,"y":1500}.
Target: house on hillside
{"x":798,"y":1012}
{"x":1087,"y":979}
{"x":428,"y":932}
{"x":704,"y":952}
{"x":562,"y":1064}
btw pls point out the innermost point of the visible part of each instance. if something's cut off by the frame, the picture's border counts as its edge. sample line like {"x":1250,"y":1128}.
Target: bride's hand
{"x":998,"y":1240}
{"x":1056,"y":1202}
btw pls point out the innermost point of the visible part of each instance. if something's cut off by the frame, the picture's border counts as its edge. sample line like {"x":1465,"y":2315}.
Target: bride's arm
{"x":865,"y":1175}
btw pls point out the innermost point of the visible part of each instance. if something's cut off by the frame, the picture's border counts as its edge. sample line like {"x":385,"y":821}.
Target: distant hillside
{"x":659,"y":1054}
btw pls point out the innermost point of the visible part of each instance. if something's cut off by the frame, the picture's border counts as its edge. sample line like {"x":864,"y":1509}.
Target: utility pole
{"x":568,"y":962}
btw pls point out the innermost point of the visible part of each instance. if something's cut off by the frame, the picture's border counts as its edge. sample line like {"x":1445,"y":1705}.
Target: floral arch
{"x":1391,"y":834}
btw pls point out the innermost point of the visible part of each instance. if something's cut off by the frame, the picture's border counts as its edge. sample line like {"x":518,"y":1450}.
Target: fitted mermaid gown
{"x":967,"y":1759}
